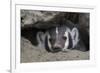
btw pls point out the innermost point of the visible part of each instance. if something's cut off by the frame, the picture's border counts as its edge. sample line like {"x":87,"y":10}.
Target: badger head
{"x":61,"y":38}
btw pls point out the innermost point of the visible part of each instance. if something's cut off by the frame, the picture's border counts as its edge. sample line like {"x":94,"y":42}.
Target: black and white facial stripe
{"x":61,"y":38}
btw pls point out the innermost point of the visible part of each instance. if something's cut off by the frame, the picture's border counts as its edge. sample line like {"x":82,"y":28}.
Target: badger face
{"x":60,"y":39}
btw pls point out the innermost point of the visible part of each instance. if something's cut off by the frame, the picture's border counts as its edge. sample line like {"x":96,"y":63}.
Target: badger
{"x":64,"y":37}
{"x":61,"y":38}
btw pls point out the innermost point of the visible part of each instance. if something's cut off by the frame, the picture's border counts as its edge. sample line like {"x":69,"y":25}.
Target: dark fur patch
{"x":46,"y":44}
{"x":70,"y":41}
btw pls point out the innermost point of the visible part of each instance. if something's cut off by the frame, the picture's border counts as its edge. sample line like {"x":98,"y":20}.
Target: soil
{"x":31,"y":54}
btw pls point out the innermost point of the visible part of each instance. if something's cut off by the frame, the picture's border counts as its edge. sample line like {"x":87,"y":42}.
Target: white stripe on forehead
{"x":56,"y":30}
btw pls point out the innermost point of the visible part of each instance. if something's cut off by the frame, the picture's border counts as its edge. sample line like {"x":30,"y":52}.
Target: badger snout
{"x":56,"y":47}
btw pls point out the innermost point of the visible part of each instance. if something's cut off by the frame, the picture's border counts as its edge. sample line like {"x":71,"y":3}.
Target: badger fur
{"x":64,"y":38}
{"x":61,"y":38}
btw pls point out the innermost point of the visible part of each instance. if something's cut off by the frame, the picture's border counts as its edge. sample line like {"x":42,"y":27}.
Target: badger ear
{"x":47,"y":43}
{"x":47,"y":34}
{"x":75,"y":36}
{"x":40,"y":37}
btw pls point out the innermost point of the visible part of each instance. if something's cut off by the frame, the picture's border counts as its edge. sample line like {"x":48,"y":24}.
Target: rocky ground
{"x":31,"y":54}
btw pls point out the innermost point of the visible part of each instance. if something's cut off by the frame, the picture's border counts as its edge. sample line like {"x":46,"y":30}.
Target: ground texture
{"x":31,"y":54}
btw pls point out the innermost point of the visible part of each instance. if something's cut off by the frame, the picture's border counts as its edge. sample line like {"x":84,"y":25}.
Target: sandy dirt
{"x":31,"y":54}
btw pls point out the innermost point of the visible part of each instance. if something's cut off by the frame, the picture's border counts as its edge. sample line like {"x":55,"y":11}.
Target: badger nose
{"x":57,"y":46}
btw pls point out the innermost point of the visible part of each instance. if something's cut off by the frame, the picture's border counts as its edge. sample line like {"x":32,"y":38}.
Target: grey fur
{"x":58,"y":37}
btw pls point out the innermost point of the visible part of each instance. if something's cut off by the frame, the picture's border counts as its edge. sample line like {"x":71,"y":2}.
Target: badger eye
{"x":64,"y":37}
{"x":50,"y":39}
